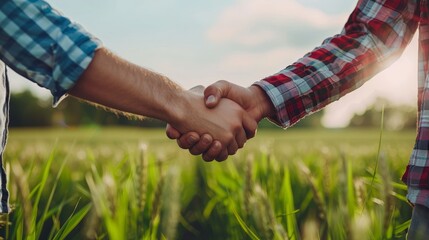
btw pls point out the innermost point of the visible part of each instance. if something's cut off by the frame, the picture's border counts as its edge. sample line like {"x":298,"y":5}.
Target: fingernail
{"x":210,"y":99}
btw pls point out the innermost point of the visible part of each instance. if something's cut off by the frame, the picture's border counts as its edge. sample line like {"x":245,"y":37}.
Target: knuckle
{"x":217,"y":147}
{"x":186,"y":143}
{"x":236,"y":126}
{"x":216,"y":86}
{"x":206,"y":140}
{"x":230,"y":135}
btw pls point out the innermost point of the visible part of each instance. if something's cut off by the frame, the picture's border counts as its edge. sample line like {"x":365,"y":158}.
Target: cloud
{"x":264,"y":36}
{"x":266,"y":62}
{"x":252,"y":23}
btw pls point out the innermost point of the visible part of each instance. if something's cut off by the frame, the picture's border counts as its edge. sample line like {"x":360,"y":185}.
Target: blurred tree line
{"x":396,"y":117}
{"x":27,"y":110}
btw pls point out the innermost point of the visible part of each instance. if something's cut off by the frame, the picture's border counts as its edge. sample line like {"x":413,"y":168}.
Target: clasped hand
{"x":219,"y":122}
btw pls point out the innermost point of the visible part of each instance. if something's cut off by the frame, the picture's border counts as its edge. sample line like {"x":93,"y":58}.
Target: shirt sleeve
{"x":375,"y":34}
{"x":40,"y":44}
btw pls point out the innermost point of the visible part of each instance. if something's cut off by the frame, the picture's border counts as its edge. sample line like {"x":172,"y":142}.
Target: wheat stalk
{"x":318,"y":199}
{"x":171,"y":204}
{"x":327,"y":159}
{"x":109,"y":188}
{"x":387,"y":192}
{"x":156,"y":203}
{"x":263,"y":215}
{"x":259,"y":213}
{"x":141,"y":174}
{"x":141,"y":187}
{"x":248,"y":184}
{"x":92,"y":222}
{"x":360,"y":192}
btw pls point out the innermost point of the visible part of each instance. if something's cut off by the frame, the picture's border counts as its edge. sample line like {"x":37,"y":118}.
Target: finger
{"x":216,"y":91}
{"x":250,"y":126}
{"x":202,"y":145}
{"x":241,"y":138}
{"x":215,"y":150}
{"x":171,"y":132}
{"x":188,"y":140}
{"x":232,"y":148}
{"x":222,"y":156}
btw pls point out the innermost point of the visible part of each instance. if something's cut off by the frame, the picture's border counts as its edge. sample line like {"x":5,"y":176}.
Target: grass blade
{"x":377,"y":160}
{"x":34,"y":234}
{"x":72,"y":221}
{"x":243,"y":225}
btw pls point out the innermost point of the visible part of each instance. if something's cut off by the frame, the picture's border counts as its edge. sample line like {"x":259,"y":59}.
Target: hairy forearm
{"x":116,"y":83}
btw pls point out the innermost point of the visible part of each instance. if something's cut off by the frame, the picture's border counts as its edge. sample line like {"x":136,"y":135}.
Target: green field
{"x":124,"y":183}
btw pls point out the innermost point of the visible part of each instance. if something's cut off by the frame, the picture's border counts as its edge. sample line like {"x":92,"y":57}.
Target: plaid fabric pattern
{"x":42,"y":45}
{"x":375,"y":35}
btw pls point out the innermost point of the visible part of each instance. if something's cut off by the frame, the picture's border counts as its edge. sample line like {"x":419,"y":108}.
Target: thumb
{"x":215,"y":92}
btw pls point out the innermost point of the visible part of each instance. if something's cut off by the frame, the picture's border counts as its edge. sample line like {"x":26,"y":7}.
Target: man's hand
{"x":228,"y":124}
{"x":252,"y":99}
{"x":118,"y":84}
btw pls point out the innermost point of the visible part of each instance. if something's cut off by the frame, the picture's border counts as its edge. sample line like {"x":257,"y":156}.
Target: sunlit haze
{"x":198,"y":42}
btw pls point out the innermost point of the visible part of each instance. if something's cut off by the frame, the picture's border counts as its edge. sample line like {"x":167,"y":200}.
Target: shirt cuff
{"x":60,"y":93}
{"x":280,"y":118}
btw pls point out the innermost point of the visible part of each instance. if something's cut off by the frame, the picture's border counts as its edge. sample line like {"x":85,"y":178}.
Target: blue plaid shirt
{"x":40,"y":44}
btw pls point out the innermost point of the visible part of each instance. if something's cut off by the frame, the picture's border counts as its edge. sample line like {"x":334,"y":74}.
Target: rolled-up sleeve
{"x":43,"y":46}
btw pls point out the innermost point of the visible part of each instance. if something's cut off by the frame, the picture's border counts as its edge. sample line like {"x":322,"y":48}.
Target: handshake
{"x":218,"y":120}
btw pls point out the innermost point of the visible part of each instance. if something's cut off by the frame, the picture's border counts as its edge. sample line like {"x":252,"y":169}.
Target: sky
{"x":199,"y":42}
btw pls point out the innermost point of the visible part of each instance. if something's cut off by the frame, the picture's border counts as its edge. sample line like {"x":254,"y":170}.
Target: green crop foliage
{"x":129,"y":183}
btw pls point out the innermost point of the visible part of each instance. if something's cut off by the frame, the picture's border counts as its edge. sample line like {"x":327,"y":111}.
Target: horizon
{"x":197,"y":43}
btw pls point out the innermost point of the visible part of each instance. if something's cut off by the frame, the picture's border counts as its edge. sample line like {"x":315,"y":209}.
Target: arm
{"x":43,"y":46}
{"x":46,"y":47}
{"x":374,"y":36}
{"x":115,"y":83}
{"x":118,"y":84}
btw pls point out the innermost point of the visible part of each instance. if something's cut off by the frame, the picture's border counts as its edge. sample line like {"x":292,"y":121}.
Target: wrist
{"x":263,"y":107}
{"x":175,"y":111}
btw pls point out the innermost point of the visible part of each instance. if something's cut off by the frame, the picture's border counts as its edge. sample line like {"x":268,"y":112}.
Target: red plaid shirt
{"x":375,"y":35}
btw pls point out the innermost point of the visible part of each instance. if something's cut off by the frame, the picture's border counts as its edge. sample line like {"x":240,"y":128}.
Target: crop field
{"x":130,"y":183}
